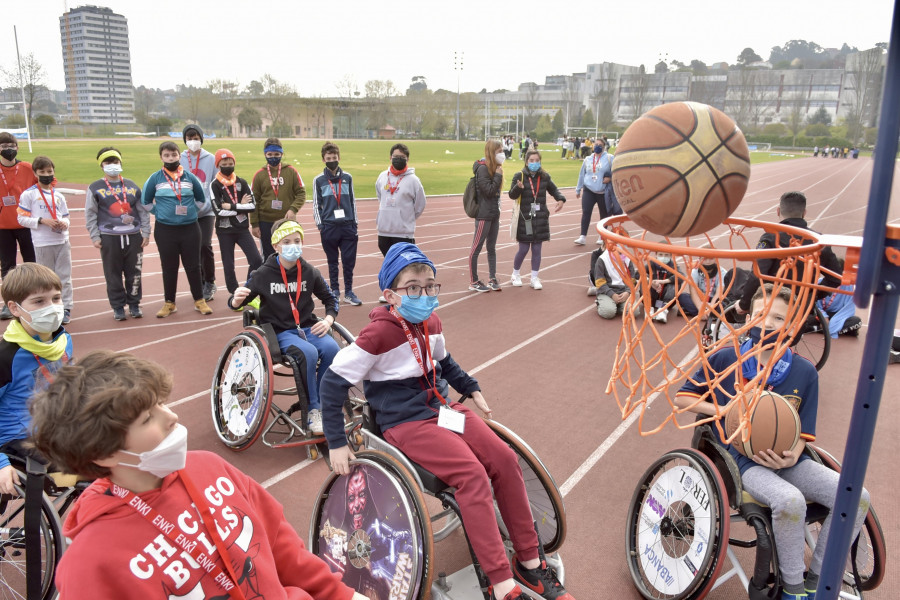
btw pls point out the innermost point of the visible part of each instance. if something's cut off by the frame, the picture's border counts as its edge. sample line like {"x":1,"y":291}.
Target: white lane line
{"x":597,"y":454}
{"x":173,"y":337}
{"x":189,"y":398}
{"x":286,"y":473}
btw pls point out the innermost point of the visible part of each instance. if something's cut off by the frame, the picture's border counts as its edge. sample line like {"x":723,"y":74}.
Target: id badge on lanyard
{"x":451,"y":419}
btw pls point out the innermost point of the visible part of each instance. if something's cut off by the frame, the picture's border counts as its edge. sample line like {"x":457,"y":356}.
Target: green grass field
{"x":443,"y":166}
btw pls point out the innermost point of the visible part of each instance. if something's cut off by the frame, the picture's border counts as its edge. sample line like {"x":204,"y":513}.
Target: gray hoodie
{"x":401,"y":200}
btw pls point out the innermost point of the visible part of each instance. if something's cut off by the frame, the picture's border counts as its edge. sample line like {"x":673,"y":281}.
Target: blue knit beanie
{"x":397,"y":258}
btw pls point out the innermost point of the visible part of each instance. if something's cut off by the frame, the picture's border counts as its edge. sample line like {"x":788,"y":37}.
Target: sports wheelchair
{"x":244,"y":387}
{"x":387,"y":553}
{"x":678,"y":528}
{"x":54,"y":493}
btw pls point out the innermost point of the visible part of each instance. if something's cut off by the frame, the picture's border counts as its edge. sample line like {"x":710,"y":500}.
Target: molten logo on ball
{"x":681,"y":169}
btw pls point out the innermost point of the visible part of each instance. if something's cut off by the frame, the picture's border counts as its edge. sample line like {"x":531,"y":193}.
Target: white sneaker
{"x":580,"y":240}
{"x":661,"y":315}
{"x":599,"y":241}
{"x":382,"y":300}
{"x":536,"y":284}
{"x":516,"y":280}
{"x":315,"y":422}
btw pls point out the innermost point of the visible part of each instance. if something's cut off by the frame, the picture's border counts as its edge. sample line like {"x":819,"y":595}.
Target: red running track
{"x":542,"y":357}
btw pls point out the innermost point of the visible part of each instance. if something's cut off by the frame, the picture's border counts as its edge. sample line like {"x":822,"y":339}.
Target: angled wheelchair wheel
{"x":814,"y":341}
{"x":12,"y":544}
{"x":543,"y":494}
{"x":677,"y":527}
{"x":866,"y":564}
{"x":372,"y":527}
{"x":241,"y":393}
{"x":355,"y":396}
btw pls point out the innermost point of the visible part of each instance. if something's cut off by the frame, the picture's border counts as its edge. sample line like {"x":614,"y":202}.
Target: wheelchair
{"x":678,"y":529}
{"x":58,"y":491}
{"x":387,"y":552}
{"x":244,"y":387}
{"x":813,"y":342}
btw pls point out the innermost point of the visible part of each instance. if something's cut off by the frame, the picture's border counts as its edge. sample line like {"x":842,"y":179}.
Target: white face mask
{"x":169,"y":456}
{"x":46,"y":319}
{"x":112,"y":169}
{"x":500,"y":157}
{"x":194,"y":145}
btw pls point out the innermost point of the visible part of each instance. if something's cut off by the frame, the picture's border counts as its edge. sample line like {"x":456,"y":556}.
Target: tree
{"x":226,"y":93}
{"x":44,"y":120}
{"x":377,"y":93}
{"x":748,"y":56}
{"x":797,"y":107}
{"x":818,"y":130}
{"x":640,"y":86}
{"x":864,"y":76}
{"x":661,"y":67}
{"x":821,"y":116}
{"x":255,"y":88}
{"x":195,"y":104}
{"x":278,"y":101}
{"x":588,"y":119}
{"x":249,"y":119}
{"x":31,"y":77}
{"x":810,"y":54}
{"x":559,"y":123}
{"x":346,"y":86}
{"x":13,"y":121}
{"x":418,"y":85}
{"x":543,"y":131}
{"x":698,"y":67}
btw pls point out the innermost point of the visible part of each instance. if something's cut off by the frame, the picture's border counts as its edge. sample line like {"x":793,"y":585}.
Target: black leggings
{"x":485,"y":229}
{"x":588,"y":200}
{"x":9,"y":238}
{"x":176,"y":242}
{"x":207,"y":256}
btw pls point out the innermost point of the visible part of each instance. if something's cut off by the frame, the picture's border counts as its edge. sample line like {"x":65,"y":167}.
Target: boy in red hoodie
{"x":159,"y":519}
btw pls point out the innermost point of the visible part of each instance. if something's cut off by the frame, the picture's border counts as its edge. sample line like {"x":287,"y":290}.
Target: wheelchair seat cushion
{"x":431,"y":482}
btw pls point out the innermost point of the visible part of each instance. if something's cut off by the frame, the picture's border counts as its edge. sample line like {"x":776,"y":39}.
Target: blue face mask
{"x":598,"y":148}
{"x":756,"y":336}
{"x":273,"y":160}
{"x":534,"y":167}
{"x":416,"y":310}
{"x":291,"y":251}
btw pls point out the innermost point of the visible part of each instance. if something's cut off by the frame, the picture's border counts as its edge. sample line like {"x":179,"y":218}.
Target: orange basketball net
{"x":653,"y":359}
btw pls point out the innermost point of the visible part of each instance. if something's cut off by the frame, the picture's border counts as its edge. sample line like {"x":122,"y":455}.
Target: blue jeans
{"x":313,"y":349}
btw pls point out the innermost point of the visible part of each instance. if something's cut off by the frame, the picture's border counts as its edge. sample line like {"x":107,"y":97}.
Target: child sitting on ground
{"x":34,"y":346}
{"x":159,"y":519}
{"x":402,"y":358}
{"x":786,"y":482}
{"x":611,"y":290}
{"x":663,"y":287}
{"x":285,"y":285}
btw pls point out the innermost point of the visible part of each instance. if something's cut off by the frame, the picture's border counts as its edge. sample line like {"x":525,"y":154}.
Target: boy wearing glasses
{"x":402,"y":358}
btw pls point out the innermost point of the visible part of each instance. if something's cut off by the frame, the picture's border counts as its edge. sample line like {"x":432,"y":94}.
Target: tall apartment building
{"x":97,"y":64}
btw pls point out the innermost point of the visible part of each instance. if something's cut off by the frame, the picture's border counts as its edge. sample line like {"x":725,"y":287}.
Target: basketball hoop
{"x":654,"y":359}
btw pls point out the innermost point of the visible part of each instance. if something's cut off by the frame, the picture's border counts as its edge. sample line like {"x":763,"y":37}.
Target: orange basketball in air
{"x":774,"y":424}
{"x":681,"y":169}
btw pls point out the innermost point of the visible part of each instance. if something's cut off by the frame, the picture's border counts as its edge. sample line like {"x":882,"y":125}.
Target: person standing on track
{"x":593,"y":181}
{"x":279,"y":193}
{"x":119,"y":227}
{"x":532,"y":225}
{"x":202,"y":165}
{"x":488,"y":183}
{"x":16,"y":176}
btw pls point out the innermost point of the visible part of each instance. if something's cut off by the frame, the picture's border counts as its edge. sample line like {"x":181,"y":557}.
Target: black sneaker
{"x":119,"y":314}
{"x":135,"y":311}
{"x":494,"y":285}
{"x":209,"y":290}
{"x":479,"y":287}
{"x":67,"y":316}
{"x":542,"y":581}
{"x":5,"y":314}
{"x":851,"y":326}
{"x":895,"y":357}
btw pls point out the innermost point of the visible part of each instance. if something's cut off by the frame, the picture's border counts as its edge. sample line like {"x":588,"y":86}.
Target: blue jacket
{"x":21,"y":374}
{"x":591,"y":175}
{"x":158,"y":187}
{"x":325,"y":202}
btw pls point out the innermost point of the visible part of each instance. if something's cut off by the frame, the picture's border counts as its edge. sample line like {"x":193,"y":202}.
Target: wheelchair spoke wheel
{"x":241,"y":393}
{"x":814,"y":342}
{"x":12,"y":545}
{"x":677,"y":529}
{"x":543,"y":494}
{"x":866,"y":564}
{"x":372,"y":527}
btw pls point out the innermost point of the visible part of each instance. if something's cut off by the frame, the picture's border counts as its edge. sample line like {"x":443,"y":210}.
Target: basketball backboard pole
{"x":879,"y":278}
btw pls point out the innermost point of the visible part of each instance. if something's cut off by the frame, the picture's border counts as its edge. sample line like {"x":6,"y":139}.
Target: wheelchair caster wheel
{"x":312,"y":452}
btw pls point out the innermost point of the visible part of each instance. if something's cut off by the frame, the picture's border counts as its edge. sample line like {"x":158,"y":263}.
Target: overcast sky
{"x":313,"y":45}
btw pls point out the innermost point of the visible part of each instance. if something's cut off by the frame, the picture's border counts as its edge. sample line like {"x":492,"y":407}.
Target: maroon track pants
{"x":472,"y":463}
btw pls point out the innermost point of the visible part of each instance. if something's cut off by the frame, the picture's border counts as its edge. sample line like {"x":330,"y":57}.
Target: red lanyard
{"x":418,"y":355}
{"x":190,"y":165}
{"x":172,"y":185}
{"x":51,"y":206}
{"x":6,"y":183}
{"x":47,"y":375}
{"x":226,"y":581}
{"x":275,"y":182}
{"x":534,"y":190}
{"x":597,"y":158}
{"x":293,"y":302}
{"x":123,"y":203}
{"x":393,"y":188}
{"x":340,"y":188}
{"x":232,"y":195}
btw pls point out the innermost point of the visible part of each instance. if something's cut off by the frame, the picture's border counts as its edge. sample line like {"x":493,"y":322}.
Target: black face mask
{"x":172,"y":166}
{"x":45,"y":179}
{"x":226,"y":171}
{"x":399,"y":162}
{"x":332,"y":165}
{"x":711,"y":269}
{"x":9,"y":153}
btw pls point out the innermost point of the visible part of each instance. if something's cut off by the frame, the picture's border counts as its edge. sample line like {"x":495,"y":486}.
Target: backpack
{"x":470,"y":199}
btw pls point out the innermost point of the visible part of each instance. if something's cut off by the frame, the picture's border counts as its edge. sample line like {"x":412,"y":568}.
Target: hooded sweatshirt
{"x":395,"y":386}
{"x":116,"y":553}
{"x":204,"y":169}
{"x":401,"y":200}
{"x":487,"y":189}
{"x":275,"y":305}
